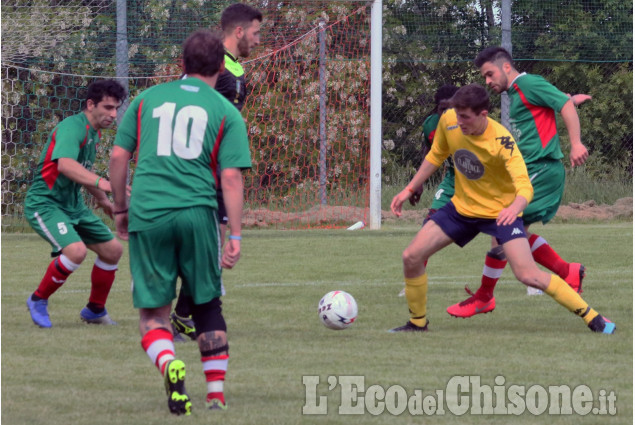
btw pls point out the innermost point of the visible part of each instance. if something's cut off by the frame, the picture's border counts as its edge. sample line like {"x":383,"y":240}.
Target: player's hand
{"x":398,"y":200}
{"x":579,"y":99}
{"x":231,"y":254}
{"x":507,"y":216}
{"x":104,"y":185}
{"x":121,"y":225}
{"x":415,"y":196}
{"x":106,"y":206}
{"x":578,"y":155}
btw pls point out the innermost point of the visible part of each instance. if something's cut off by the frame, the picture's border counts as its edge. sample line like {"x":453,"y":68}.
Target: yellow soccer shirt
{"x":490,"y":170}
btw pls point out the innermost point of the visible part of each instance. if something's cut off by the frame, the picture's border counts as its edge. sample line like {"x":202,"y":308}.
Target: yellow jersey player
{"x":492,"y":188}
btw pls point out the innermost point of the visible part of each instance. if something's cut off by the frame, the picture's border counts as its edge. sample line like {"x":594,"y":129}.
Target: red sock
{"x":159,"y":346}
{"x":547,"y":257}
{"x":56,"y":274}
{"x":492,"y":271}
{"x":102,"y":277}
{"x":215,"y":368}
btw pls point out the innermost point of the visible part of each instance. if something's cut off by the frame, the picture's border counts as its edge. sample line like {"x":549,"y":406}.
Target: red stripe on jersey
{"x":85,"y":137}
{"x":138,"y":130}
{"x":49,"y":169}
{"x":544,"y":118}
{"x":214,"y":156}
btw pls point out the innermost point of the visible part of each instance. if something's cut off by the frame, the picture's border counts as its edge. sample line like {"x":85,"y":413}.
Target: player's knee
{"x":411,"y":258}
{"x":208,"y":317}
{"x":526,"y":276}
{"x":75,"y":252}
{"x":111,"y":252}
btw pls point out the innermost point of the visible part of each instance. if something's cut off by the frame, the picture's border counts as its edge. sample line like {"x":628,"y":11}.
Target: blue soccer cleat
{"x":96,"y":318}
{"x":39,"y":312}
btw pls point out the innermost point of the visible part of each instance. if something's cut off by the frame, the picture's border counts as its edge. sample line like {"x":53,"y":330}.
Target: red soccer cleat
{"x":574,"y":279}
{"x":471,"y":306}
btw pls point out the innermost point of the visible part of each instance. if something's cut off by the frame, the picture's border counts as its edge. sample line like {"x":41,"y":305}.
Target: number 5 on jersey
{"x":176,"y":139}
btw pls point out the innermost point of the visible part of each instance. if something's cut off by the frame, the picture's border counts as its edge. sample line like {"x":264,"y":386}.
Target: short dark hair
{"x":237,"y":14}
{"x":203,"y":53}
{"x":99,"y":89}
{"x":492,"y":54}
{"x":446,"y":91}
{"x":473,"y":96}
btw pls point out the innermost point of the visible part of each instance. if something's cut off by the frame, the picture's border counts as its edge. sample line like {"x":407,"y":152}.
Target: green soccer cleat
{"x":178,"y":400}
{"x":215,"y":404}
{"x":181,"y":325}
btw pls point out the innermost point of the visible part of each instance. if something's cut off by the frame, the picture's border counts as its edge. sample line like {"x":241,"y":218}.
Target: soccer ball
{"x":337,"y":310}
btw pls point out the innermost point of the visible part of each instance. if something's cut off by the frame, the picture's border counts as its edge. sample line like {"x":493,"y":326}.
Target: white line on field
{"x":459,"y":280}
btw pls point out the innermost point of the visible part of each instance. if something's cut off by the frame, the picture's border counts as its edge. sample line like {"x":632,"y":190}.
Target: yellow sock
{"x":417,"y":297}
{"x":564,"y":295}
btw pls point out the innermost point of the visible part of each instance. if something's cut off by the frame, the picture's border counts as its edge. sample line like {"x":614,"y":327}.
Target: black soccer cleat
{"x":410,"y":327}
{"x":603,"y":325}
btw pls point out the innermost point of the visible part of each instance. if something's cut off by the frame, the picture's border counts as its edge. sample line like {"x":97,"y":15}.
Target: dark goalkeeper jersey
{"x":231,"y":82}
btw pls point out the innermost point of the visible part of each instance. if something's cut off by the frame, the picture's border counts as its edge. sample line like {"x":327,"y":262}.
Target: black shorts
{"x":463,"y":229}
{"x":222,"y":212}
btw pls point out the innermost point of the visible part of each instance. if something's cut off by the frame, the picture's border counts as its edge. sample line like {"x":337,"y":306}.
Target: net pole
{"x":506,"y":43}
{"x":321,"y":37}
{"x":122,"y":66}
{"x":375,"y":114}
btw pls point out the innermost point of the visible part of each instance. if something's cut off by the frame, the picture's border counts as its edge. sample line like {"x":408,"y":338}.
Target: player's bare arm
{"x":579,"y":99}
{"x":79,"y":174}
{"x":425,"y":171}
{"x":119,"y":160}
{"x":415,"y":196}
{"x":232,"y":184}
{"x":579,"y":152}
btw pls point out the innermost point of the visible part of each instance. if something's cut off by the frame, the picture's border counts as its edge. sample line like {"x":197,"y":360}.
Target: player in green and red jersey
{"x":445,"y":191}
{"x":183,"y":132}
{"x":492,"y":190}
{"x":534,"y":103}
{"x":241,"y":28}
{"x":56,"y":210}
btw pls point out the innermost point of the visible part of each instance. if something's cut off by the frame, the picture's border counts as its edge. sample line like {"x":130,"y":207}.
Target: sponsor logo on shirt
{"x":507,"y":143}
{"x":468,"y":164}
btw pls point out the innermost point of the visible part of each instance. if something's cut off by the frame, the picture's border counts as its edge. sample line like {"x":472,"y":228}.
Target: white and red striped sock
{"x":492,"y":271}
{"x":215,"y":368}
{"x":545,"y":255}
{"x":159,"y":346}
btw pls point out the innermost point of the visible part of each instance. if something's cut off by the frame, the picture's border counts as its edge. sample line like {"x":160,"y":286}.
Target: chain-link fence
{"x":52,"y":50}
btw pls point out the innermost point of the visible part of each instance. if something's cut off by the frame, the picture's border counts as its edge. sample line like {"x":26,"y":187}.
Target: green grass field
{"x":80,"y":374}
